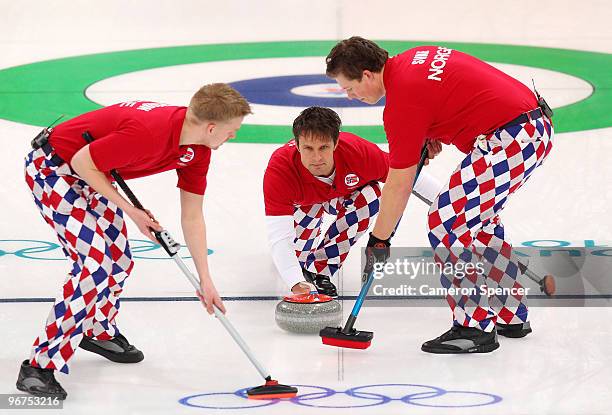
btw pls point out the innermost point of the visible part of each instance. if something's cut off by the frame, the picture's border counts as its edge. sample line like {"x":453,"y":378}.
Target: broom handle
{"x":350,"y":322}
{"x":532,"y":276}
{"x":221,"y":317}
{"x":171,"y":247}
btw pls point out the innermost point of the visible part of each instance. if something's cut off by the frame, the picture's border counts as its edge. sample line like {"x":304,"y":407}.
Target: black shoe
{"x":118,"y":349}
{"x":462,"y":340}
{"x":322,"y":282}
{"x":513,"y":330}
{"x":39,"y":382}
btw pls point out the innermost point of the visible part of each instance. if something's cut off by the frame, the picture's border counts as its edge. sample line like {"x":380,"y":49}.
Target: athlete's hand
{"x":303,"y":288}
{"x":434,"y":147}
{"x":208,"y":295}
{"x":145,"y":222}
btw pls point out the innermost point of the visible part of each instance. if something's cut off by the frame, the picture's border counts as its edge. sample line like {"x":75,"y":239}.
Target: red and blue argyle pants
{"x":465,"y":227}
{"x":93,"y":237}
{"x":353,"y":214}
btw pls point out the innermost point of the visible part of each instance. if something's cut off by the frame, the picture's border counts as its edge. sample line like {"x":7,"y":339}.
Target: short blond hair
{"x":218,"y":102}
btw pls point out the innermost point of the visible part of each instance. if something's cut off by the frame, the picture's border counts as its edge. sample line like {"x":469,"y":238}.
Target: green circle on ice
{"x":37,"y":93}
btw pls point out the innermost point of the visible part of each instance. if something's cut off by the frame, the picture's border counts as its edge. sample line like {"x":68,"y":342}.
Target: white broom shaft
{"x":226,"y":323}
{"x":192,"y":278}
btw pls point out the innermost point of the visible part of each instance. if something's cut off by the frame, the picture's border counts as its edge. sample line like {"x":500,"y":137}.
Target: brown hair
{"x":218,"y":102}
{"x":317,"y":122}
{"x":350,"y":57}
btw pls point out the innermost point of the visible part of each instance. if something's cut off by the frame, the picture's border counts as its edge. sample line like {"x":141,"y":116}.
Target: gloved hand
{"x":377,"y":250}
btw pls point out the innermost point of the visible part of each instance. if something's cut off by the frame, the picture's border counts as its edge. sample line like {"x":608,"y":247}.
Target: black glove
{"x":378,"y":250}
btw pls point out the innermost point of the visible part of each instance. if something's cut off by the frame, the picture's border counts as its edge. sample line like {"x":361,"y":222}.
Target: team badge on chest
{"x":351,"y":180}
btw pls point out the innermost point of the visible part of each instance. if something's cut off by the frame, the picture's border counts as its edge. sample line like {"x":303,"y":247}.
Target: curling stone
{"x":308,"y":313}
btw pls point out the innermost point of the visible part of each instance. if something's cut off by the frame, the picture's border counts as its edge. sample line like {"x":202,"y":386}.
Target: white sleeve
{"x":281,"y":234}
{"x":427,"y":187}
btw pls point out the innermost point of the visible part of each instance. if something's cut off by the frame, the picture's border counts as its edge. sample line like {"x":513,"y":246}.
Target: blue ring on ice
{"x":297,"y":91}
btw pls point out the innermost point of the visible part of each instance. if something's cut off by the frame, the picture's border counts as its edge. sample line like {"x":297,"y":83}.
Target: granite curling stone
{"x":308,"y":313}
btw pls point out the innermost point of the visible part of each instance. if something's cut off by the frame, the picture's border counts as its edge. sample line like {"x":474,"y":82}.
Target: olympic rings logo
{"x":367,"y":396}
{"x":51,"y":251}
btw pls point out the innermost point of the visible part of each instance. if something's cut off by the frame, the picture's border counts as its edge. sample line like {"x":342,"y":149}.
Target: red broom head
{"x":349,"y":344}
{"x":272,"y":390}
{"x":354,"y":339}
